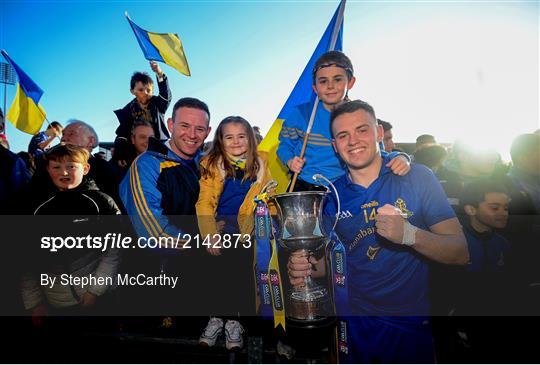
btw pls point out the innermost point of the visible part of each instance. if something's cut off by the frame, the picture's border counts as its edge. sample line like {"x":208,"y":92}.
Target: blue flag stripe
{"x":150,"y":52}
{"x":29,"y":87}
{"x":302,"y":92}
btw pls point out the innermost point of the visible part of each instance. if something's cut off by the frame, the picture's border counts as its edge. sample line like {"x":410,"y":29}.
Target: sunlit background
{"x":464,"y":70}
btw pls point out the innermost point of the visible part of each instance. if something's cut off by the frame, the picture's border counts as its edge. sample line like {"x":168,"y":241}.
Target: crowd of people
{"x":451,"y":248}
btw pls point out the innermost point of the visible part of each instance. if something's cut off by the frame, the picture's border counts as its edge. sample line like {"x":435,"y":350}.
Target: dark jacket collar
{"x":483,"y":236}
{"x":155,"y":145}
{"x":86,"y":185}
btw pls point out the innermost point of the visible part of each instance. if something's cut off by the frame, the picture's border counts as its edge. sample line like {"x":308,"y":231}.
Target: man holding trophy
{"x":391,"y":227}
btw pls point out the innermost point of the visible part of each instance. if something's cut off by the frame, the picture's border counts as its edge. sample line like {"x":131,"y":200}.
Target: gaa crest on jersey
{"x":372,"y":252}
{"x":344,"y":214}
{"x":402,"y":205}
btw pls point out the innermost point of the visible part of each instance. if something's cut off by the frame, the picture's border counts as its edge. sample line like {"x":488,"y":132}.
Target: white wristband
{"x":409,"y":234}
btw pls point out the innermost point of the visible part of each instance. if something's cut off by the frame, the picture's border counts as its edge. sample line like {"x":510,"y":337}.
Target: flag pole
{"x":333,"y":40}
{"x":4,"y":112}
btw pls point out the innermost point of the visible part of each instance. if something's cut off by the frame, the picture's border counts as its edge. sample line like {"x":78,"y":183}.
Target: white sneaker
{"x":213,"y":329}
{"x":233,"y":335}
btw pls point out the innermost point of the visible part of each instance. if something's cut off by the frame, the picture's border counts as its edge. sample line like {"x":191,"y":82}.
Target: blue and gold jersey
{"x":385,"y":278}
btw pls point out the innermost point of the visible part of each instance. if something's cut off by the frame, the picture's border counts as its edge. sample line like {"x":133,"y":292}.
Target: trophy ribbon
{"x":338,"y":264}
{"x":278,"y":305}
{"x":337,"y":256}
{"x":263,"y":235}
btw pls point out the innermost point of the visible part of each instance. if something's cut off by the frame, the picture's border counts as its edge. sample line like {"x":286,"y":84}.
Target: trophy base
{"x":309,"y":305}
{"x":319,"y":323}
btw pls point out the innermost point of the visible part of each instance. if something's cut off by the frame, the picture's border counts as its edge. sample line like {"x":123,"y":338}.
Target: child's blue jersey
{"x":231,"y":199}
{"x":387,"y":279}
{"x":321,"y":158}
{"x":487,"y":252}
{"x":320,"y":155}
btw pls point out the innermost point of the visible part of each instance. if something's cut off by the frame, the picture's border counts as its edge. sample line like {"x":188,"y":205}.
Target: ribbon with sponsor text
{"x":263,"y":234}
{"x":338,"y":265}
{"x":276,"y":288}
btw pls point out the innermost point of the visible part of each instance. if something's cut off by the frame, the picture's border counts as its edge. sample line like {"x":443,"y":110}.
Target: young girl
{"x":232,"y":175}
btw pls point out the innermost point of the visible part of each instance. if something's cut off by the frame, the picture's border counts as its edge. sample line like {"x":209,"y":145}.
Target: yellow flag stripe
{"x":270,"y":144}
{"x":25,"y":114}
{"x":171,"y":49}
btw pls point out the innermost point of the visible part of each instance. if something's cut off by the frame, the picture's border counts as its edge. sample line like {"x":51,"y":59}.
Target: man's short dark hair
{"x":191,"y":103}
{"x":143,"y":77}
{"x":475,"y":192}
{"x":386,"y":126}
{"x":140,"y":123}
{"x":350,"y":107}
{"x":333,"y":58}
{"x":524,"y":145}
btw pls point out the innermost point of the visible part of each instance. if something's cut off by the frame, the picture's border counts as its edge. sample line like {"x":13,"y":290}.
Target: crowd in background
{"x":503,"y":231}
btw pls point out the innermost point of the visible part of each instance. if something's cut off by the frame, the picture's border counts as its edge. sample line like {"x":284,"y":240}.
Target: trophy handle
{"x":317,"y":177}
{"x":270,"y":185}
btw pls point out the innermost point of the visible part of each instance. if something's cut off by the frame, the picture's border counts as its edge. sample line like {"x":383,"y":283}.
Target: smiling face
{"x":490,"y":213}
{"x":189,"y":130}
{"x":67,"y":175}
{"x":331,"y":85}
{"x":235,"y":140}
{"x":356,"y":138}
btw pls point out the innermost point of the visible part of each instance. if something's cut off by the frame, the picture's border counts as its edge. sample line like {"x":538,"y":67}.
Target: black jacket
{"x":85,"y":200}
{"x":157,"y":106}
{"x":72,"y":213}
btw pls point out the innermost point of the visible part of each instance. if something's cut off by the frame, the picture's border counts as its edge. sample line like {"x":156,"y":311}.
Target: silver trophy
{"x":301,"y":228}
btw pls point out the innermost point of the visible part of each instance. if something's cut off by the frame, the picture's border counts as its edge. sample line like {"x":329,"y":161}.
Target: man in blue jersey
{"x":391,"y":226}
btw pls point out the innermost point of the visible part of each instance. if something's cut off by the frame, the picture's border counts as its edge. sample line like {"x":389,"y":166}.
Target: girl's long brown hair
{"x":217,"y":154}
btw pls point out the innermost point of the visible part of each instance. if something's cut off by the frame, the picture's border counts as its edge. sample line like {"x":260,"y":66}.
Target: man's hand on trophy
{"x":299,"y":266}
{"x":390,"y":222}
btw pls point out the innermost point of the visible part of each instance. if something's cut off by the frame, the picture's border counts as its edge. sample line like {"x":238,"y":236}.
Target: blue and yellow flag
{"x":301,"y":94}
{"x":162,"y":47}
{"x":25,"y":113}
